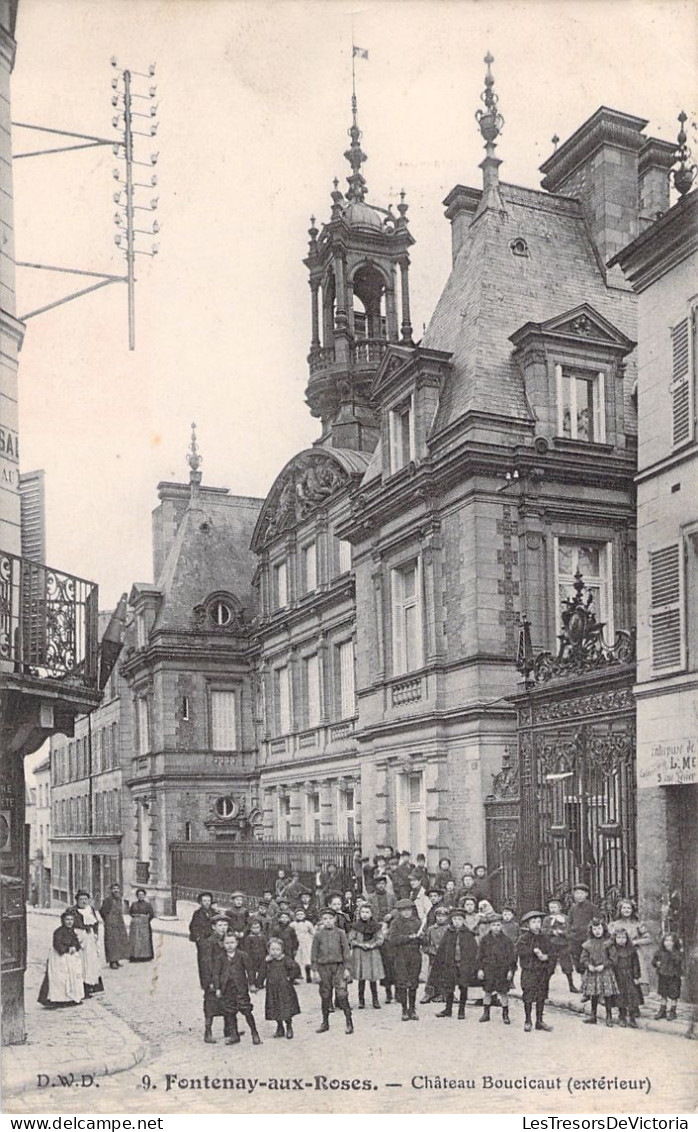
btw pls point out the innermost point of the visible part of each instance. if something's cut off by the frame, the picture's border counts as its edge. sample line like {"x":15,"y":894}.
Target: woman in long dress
{"x":140,"y":932}
{"x":116,"y":942}
{"x":63,"y":985}
{"x":87,"y":931}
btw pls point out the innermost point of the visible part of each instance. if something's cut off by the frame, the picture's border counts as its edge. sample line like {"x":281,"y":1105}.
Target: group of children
{"x":380,"y":939}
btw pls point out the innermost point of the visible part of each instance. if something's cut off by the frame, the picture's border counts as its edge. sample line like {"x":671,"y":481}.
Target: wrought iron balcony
{"x":48,"y":623}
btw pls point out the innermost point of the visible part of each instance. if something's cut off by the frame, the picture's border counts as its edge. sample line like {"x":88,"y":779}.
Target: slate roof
{"x":210,"y":554}
{"x":491,"y":293}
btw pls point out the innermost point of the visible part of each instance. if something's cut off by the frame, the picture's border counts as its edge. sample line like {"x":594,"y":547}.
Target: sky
{"x":253,"y":109}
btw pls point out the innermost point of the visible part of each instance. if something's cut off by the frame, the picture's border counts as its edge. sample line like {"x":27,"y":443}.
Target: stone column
{"x":314,"y":315}
{"x":406,"y":327}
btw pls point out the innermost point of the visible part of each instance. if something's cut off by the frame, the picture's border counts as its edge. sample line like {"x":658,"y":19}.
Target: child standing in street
{"x":555,"y":925}
{"x":403,"y":936}
{"x":231,"y":984}
{"x":509,"y":925}
{"x":281,"y":1001}
{"x":599,"y":980}
{"x":626,"y":967}
{"x":304,"y":934}
{"x":534,"y":950}
{"x":365,"y":938}
{"x":496,"y":962}
{"x":668,"y":964}
{"x":255,"y":947}
{"x":455,"y":964}
{"x":431,"y":938}
{"x":331,"y":958}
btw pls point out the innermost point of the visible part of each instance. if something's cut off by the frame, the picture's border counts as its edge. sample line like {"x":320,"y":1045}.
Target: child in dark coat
{"x":510,"y":926}
{"x":287,"y":934}
{"x":231,"y":983}
{"x":668,"y":964}
{"x":255,"y":946}
{"x":534,"y":950}
{"x":431,"y":938}
{"x":625,"y":962}
{"x":403,"y":937}
{"x":496,"y":964}
{"x":455,"y":963}
{"x":281,"y":1003}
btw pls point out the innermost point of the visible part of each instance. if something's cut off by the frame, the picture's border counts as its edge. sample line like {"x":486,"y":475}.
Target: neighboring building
{"x":522,"y":382}
{"x":33,"y":512}
{"x":190,"y":762}
{"x":38,"y":818}
{"x":662,"y":265}
{"x":91,"y":835}
{"x":48,"y":620}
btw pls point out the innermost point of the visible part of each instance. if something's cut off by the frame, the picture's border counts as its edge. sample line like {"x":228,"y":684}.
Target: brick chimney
{"x":655,"y":161}
{"x":599,"y":166}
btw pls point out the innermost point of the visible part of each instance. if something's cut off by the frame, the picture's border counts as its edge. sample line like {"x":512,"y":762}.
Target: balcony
{"x":321,"y":359}
{"x":368,"y":352}
{"x":48,"y":624}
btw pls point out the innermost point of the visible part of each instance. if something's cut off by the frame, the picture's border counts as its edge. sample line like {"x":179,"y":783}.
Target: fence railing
{"x":48,"y":621}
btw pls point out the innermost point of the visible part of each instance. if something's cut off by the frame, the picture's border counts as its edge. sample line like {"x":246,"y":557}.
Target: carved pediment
{"x":581,"y":325}
{"x":305,"y":484}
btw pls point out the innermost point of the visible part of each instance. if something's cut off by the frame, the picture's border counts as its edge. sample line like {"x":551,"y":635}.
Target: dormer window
{"x":402,"y":442}
{"x":581,"y":404}
{"x":221,"y":614}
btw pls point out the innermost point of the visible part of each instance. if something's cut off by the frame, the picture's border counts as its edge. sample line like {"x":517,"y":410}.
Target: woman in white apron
{"x":62,"y":985}
{"x":87,"y":930}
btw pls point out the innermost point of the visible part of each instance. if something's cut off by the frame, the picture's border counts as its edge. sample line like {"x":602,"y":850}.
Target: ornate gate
{"x":502,"y":833}
{"x":576,"y":729}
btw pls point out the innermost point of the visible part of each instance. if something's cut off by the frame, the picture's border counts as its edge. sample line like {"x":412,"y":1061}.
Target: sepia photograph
{"x":348,"y":560}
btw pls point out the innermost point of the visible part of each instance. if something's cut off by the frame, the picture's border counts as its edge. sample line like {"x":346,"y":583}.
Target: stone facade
{"x":661,"y":265}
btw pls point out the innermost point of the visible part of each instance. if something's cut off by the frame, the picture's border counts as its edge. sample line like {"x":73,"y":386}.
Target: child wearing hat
{"x":534,"y":950}
{"x":431,"y":938}
{"x":330,"y":957}
{"x":599,"y":980}
{"x":455,"y":963}
{"x":403,"y":937}
{"x":200,"y":929}
{"x":555,"y":925}
{"x":579,"y":917}
{"x":238,"y":915}
{"x":496,"y":964}
{"x":211,"y":950}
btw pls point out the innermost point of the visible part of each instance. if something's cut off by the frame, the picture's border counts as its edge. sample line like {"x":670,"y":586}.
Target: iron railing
{"x":48,"y":622}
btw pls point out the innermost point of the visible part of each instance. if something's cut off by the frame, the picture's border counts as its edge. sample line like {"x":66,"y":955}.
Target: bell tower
{"x":358,"y":265}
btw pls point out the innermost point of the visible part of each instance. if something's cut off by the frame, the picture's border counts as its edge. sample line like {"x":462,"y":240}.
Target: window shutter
{"x":346,"y":665}
{"x":312,"y":672}
{"x":681,"y":408}
{"x":413,"y":433}
{"x":560,"y":405}
{"x":394,"y":460}
{"x":397,"y":619}
{"x":599,"y":395}
{"x":665,"y":597}
{"x":223,"y":721}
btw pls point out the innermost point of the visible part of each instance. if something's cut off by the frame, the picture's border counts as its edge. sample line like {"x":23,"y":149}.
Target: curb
{"x":681,"y":1028}
{"x":28,"y":1083}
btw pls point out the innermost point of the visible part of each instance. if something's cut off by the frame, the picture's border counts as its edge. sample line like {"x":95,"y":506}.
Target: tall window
{"x":412,"y":813}
{"x":344,"y":555}
{"x":401,"y":424}
{"x":593,"y":561}
{"x":280,"y":585}
{"x":682,"y":383}
{"x":346,"y":813}
{"x":284,"y":817}
{"x":143,"y":725}
{"x":282,"y":700}
{"x":407,"y":618}
{"x":581,"y":404}
{"x":115,"y":749}
{"x":346,"y":697}
{"x":309,"y":567}
{"x":312,"y":816}
{"x":223,"y":728}
{"x":311,"y":670}
{"x":141,"y":634}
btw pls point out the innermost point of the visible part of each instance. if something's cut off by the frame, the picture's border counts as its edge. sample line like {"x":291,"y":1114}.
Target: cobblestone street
{"x":387,"y":1061}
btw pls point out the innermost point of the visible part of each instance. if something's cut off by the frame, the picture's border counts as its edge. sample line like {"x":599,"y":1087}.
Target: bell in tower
{"x":359,"y":284}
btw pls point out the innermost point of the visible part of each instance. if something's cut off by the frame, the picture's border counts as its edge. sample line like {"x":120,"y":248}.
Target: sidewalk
{"x":86,"y":1039}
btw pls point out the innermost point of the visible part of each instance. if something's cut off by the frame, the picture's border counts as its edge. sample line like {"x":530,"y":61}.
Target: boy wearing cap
{"x":555,"y":925}
{"x":496,"y":962}
{"x":401,"y":877}
{"x":200,"y":928}
{"x":211,"y":949}
{"x":237,"y":914}
{"x":579,"y":917}
{"x":455,"y":964}
{"x":230,"y":982}
{"x":330,"y":958}
{"x":403,"y":937}
{"x":534,"y":950}
{"x":431,"y":939}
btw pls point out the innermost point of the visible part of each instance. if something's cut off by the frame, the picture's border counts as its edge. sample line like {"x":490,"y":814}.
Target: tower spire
{"x":490,"y":122}
{"x":355,"y":155}
{"x":194,"y":460}
{"x":685,"y":174}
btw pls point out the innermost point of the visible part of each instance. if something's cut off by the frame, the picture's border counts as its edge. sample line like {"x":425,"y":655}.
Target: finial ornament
{"x":684,"y":176}
{"x":489,"y":120}
{"x":555,"y":140}
{"x":194,"y":457}
{"x":356,"y":157}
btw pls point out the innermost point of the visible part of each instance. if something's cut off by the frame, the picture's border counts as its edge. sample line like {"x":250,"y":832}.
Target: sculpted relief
{"x":310,"y":481}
